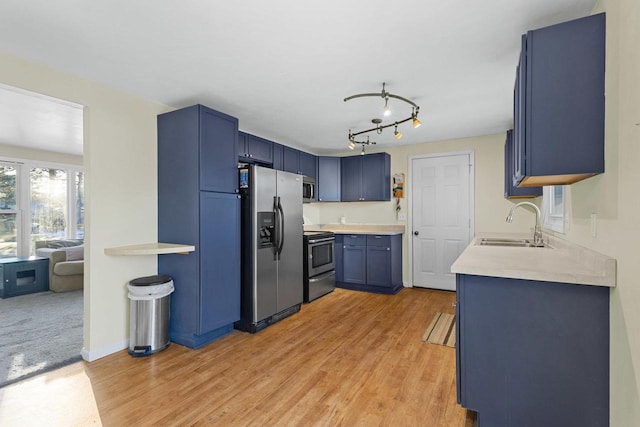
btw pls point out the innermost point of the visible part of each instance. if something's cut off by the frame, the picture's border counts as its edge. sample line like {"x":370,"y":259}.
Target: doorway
{"x":441,"y":215}
{"x":41,"y":199}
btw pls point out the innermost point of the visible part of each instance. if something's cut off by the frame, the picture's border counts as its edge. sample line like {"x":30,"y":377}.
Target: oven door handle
{"x":322,"y":276}
{"x":328,"y":239}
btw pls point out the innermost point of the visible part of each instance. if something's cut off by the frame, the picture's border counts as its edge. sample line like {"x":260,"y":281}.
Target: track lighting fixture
{"x":379,"y":127}
{"x":352,"y":143}
{"x":397,"y":134}
{"x":416,"y":122}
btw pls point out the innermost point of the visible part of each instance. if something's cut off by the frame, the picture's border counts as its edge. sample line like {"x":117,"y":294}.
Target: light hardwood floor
{"x":347,"y":359}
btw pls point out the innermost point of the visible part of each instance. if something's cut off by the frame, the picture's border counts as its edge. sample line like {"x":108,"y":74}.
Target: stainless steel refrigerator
{"x":272,"y":280}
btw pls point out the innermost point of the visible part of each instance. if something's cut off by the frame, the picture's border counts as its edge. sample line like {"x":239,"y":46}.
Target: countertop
{"x":357,"y":228}
{"x":561,"y":261}
{"x":150,"y":249}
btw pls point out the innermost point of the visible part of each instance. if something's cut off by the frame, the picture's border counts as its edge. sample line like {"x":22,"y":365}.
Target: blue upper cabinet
{"x":277,"y":156}
{"x":218,"y":135}
{"x":290,"y":160}
{"x":366,"y":178}
{"x":328,"y":183}
{"x":351,"y":178}
{"x":308,"y":165}
{"x":559,"y":123}
{"x":511,"y":191}
{"x":253,"y":149}
{"x":299,"y":162}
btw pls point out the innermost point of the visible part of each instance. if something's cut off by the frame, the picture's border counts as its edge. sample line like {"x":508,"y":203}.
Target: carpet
{"x":39,"y":332}
{"x":442,"y":330}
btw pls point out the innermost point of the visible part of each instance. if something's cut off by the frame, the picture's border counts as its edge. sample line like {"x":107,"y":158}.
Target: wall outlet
{"x":402,"y":216}
{"x":594,"y":225}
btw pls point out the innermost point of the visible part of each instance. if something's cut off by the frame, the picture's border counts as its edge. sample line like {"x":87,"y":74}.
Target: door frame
{"x":472,"y":216}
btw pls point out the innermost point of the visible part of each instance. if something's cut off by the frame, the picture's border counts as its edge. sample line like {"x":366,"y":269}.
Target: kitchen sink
{"x":520,"y":243}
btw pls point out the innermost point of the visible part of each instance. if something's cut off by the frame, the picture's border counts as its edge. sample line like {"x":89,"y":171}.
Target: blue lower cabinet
{"x":206,"y":300}
{"x":370,"y":263}
{"x":355,"y":264}
{"x":532,"y":353}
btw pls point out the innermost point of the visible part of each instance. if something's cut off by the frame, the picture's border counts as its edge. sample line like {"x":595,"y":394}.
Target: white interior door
{"x":441,"y":217}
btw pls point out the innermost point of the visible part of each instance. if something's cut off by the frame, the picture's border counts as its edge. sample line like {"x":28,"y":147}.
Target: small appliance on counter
{"x":319,"y":264}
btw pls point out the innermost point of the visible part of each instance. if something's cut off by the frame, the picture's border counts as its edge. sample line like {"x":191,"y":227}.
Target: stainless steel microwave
{"x":308,"y":189}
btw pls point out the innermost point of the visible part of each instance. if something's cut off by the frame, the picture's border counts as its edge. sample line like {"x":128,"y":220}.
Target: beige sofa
{"x":66,"y":263}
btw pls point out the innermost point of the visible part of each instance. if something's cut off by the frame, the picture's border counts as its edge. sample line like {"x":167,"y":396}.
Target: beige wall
{"x":491,"y":208}
{"x":613,"y":197}
{"x":121,"y":200}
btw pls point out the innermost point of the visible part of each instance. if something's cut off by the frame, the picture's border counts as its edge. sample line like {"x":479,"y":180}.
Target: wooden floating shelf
{"x":150,"y":249}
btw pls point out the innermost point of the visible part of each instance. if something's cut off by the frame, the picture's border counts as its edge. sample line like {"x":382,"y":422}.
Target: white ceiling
{"x":283,"y":67}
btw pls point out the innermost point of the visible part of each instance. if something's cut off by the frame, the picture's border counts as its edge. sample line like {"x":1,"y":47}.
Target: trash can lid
{"x":150,"y":280}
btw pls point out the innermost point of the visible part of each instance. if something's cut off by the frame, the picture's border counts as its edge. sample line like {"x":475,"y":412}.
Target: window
{"x":8,"y":211}
{"x":39,"y":201}
{"x":48,"y":203}
{"x":553,"y":208}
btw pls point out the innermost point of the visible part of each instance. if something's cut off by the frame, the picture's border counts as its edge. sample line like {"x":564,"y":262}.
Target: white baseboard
{"x":407,"y":285}
{"x":91,"y":355}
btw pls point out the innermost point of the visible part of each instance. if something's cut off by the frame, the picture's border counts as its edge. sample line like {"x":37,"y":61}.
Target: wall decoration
{"x":398,"y":185}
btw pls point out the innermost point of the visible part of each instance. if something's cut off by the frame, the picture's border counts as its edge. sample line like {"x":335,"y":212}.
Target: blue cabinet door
{"x":260,"y":150}
{"x":376,"y":177}
{"x":379,"y":265}
{"x":277,"y":156}
{"x":218,"y":151}
{"x":290,"y":159}
{"x":219,"y":261}
{"x":563,"y":102}
{"x":351,"y":178}
{"x":338,"y":254}
{"x":328,"y":183}
{"x":354,"y":260}
{"x":519,"y":119}
{"x":242,"y":146}
{"x":511,"y":191}
{"x":308,"y":165}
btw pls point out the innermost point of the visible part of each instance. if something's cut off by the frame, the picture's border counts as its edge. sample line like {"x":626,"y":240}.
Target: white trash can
{"x":149,"y":314}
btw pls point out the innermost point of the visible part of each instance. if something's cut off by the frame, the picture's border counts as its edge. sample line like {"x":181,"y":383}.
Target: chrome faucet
{"x":537,"y":231}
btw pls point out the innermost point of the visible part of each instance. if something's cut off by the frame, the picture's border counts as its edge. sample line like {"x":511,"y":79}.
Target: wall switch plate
{"x":594,"y":225}
{"x":402,"y":216}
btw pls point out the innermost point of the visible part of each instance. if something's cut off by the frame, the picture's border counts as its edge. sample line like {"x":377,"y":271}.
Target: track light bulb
{"x":352,"y":146}
{"x":362,"y":152}
{"x":387,"y":110}
{"x":396,"y":133}
{"x":416,"y":123}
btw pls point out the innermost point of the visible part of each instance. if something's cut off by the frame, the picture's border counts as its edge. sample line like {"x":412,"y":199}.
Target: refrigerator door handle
{"x":281,"y":244}
{"x":277,"y":229}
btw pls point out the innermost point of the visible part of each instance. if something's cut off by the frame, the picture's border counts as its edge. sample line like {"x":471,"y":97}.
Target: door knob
{"x":415,"y":233}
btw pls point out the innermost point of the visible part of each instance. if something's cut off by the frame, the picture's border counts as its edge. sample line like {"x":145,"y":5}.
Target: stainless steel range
{"x":319,"y":264}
